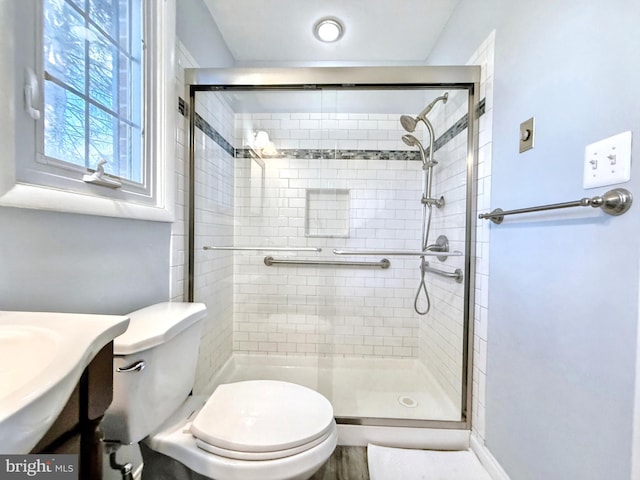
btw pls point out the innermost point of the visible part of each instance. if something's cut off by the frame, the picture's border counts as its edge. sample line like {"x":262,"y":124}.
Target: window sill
{"x":49,"y":199}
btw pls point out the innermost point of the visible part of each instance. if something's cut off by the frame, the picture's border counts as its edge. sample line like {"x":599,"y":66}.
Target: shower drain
{"x":407,"y":401}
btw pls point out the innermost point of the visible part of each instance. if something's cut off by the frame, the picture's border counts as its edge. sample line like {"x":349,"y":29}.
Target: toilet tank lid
{"x":156,"y":324}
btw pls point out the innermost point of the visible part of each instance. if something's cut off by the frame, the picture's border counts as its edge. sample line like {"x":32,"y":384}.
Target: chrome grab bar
{"x":456,"y":274}
{"x":411,"y":253}
{"x":259,"y":249}
{"x":614,"y":202}
{"x":270,"y":261}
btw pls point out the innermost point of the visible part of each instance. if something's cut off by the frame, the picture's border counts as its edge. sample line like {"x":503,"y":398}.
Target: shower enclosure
{"x":331,"y":234}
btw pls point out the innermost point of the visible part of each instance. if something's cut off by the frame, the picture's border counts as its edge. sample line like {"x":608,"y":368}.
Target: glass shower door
{"x":310,"y":204}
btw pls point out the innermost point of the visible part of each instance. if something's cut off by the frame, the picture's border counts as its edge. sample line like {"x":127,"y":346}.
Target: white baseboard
{"x":488,"y":461}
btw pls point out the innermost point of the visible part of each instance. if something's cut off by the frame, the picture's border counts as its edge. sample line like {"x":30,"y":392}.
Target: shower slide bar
{"x":409,"y":253}
{"x":456,"y":274}
{"x":269,"y":261}
{"x":614,"y":202}
{"x":261,"y":249}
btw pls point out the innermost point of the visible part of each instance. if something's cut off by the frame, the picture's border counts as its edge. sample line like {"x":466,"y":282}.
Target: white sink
{"x":42,"y":356}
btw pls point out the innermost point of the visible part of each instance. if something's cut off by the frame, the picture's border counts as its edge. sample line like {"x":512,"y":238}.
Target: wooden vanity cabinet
{"x":76,"y":430}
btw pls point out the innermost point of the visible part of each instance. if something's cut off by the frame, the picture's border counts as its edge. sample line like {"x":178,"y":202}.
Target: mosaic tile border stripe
{"x":333,"y":154}
{"x":214,"y":135}
{"x":182,"y":107}
{"x":405,"y":155}
{"x":458,"y":127}
{"x":206,"y":128}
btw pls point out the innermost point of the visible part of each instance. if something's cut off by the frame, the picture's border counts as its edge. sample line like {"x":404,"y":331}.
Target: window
{"x":92,"y":55}
{"x":101,"y":75}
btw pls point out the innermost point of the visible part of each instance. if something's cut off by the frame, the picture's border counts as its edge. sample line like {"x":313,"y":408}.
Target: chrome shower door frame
{"x":363,"y":78}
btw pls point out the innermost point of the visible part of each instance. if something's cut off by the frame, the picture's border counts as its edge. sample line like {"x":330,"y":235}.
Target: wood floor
{"x":346,"y":463}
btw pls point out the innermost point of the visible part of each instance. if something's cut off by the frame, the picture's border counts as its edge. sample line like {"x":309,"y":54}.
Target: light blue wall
{"x":81,"y":263}
{"x":563,"y":288}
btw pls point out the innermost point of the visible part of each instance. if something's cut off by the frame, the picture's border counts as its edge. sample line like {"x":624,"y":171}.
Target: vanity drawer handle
{"x":134,"y":367}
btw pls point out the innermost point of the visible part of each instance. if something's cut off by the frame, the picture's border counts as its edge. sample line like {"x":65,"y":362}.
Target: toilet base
{"x":157,"y":466}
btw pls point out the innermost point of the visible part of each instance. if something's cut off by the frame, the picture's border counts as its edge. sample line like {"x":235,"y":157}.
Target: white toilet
{"x":252,"y":430}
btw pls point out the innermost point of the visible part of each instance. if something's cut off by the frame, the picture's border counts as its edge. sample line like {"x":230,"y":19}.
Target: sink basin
{"x":42,"y":356}
{"x":32,"y":348}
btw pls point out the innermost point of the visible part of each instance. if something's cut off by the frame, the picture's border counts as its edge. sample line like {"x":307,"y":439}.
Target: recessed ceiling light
{"x":328,"y":30}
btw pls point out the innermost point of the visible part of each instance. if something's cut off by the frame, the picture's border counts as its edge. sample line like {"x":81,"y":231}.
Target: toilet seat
{"x":254,"y":456}
{"x":262,"y":420}
{"x":175,"y":440}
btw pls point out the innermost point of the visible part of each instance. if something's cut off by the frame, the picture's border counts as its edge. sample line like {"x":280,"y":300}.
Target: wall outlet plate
{"x":608,"y":161}
{"x":526,"y":135}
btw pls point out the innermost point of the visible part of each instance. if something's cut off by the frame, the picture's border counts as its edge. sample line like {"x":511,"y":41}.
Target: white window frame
{"x":26,"y":182}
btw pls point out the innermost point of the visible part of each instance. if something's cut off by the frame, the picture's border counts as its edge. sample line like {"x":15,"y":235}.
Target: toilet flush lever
{"x":134,"y":367}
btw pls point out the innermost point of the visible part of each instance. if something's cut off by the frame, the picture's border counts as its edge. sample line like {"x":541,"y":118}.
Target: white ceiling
{"x":376,"y":31}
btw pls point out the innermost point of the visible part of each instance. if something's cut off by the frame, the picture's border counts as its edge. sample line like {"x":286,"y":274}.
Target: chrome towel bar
{"x":270,"y":261}
{"x":267,"y":248}
{"x":456,"y":274}
{"x":614,"y":202}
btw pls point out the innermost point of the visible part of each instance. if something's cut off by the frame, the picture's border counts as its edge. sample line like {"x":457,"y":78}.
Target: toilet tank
{"x":154,"y":368}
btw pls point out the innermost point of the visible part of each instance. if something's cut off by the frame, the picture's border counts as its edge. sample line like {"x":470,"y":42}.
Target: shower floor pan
{"x":377,"y":388}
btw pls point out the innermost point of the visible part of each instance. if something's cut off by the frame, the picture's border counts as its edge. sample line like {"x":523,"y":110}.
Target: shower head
{"x":411,"y":141}
{"x":414,"y":142}
{"x":409,"y":123}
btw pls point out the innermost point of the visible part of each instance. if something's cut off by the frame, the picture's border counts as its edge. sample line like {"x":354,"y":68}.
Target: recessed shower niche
{"x":347,"y":217}
{"x":327,"y":212}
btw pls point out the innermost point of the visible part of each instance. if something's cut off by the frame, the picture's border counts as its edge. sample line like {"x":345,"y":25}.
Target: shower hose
{"x":422,"y":287}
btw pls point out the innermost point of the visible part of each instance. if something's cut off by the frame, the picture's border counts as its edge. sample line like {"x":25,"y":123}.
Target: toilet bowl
{"x":175,"y":439}
{"x":250,"y":430}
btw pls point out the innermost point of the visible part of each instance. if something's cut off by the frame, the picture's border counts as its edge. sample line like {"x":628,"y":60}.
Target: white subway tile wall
{"x":484,"y":56}
{"x":442,"y":329}
{"x":345,"y":311}
{"x":213,"y":276}
{"x":214,"y":271}
{"x":179,"y":228}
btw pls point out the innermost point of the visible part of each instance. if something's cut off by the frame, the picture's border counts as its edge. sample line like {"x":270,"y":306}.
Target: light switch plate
{"x":608,"y":161}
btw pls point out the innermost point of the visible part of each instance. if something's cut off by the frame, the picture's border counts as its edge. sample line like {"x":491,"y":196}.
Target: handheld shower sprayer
{"x":409,"y":123}
{"x":412,"y":141}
